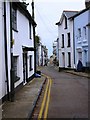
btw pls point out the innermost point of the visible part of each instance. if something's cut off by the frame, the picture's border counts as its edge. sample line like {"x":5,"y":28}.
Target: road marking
{"x":43,"y":103}
{"x":48,"y":100}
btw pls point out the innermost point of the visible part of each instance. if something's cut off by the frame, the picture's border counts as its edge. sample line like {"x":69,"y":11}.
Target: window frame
{"x":79,"y":32}
{"x":85,"y":32}
{"x":69,"y":59}
{"x":15,"y":65}
{"x":30,"y":63}
{"x":65,"y":22}
{"x":62,"y":40}
{"x":30,"y":28}
{"x":14,"y":18}
{"x":69,"y":39}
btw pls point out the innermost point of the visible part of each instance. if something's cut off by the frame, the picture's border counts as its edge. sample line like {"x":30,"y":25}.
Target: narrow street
{"x":69,"y":94}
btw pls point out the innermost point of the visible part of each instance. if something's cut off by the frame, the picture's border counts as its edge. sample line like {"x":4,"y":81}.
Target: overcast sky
{"x":47,"y":13}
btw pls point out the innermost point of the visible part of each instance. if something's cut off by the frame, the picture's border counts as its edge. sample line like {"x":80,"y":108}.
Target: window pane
{"x":14,"y":18}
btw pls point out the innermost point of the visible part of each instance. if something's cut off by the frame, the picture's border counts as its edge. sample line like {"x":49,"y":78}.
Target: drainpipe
{"x":73,"y":42}
{"x":6,"y":60}
{"x":11,"y":50}
{"x":34,"y":37}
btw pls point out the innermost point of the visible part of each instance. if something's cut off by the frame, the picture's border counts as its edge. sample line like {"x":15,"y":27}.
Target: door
{"x":63,"y":59}
{"x":25,"y":75}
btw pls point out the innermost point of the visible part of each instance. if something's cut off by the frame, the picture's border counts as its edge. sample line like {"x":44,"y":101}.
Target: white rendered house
{"x":65,"y":36}
{"x":20,"y":34}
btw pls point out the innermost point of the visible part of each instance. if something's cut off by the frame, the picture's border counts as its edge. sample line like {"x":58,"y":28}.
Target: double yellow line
{"x":45,"y":103}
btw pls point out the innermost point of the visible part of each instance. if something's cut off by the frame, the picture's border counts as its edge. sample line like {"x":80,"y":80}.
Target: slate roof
{"x":68,"y":14}
{"x":80,"y":12}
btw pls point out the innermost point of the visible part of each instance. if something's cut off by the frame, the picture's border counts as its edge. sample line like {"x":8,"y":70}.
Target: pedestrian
{"x":79,"y":66}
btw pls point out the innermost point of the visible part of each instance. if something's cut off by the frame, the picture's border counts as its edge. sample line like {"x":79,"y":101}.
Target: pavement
{"x":83,"y":74}
{"x":25,"y":100}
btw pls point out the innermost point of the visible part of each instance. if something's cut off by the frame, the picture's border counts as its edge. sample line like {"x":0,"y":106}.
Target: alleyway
{"x":69,"y":94}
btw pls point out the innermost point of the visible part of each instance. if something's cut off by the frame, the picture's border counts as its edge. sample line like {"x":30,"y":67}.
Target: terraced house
{"x":17,"y":51}
{"x":66,"y":40}
{"x":82,"y":35}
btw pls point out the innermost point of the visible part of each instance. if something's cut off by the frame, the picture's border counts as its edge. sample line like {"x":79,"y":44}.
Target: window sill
{"x":15,"y":30}
{"x":17,"y":79}
{"x":69,"y":46}
{"x":69,"y":66}
{"x":30,"y":38}
{"x":31,"y":69}
{"x":85,"y":40}
{"x":79,"y":42}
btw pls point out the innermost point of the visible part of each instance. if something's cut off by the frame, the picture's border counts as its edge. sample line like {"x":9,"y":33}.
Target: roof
{"x":20,"y":6}
{"x":68,"y":14}
{"x":80,"y":12}
{"x":87,"y":0}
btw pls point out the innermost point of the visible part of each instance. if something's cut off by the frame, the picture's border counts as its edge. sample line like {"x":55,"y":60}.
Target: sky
{"x":47,"y":14}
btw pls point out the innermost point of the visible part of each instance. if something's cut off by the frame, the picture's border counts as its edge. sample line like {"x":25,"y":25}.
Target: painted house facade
{"x":82,"y":36}
{"x":65,"y":36}
{"x":18,"y":33}
{"x":44,"y":55}
{"x":38,"y":54}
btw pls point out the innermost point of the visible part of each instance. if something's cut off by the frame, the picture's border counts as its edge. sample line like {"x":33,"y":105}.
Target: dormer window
{"x":65,"y":22}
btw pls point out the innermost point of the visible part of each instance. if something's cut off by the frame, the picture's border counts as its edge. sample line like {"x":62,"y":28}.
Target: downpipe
{"x":5,"y":46}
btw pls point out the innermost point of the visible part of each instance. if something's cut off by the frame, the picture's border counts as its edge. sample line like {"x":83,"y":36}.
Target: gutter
{"x":6,"y":58}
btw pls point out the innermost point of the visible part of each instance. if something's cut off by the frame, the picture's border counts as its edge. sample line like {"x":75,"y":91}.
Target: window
{"x":80,"y":56}
{"x":65,"y":22}
{"x":30,"y":63}
{"x":14,"y":18}
{"x":69,"y":59}
{"x":84,"y":32}
{"x":79,"y":32}
{"x":62,"y":40}
{"x":68,"y":34}
{"x":15,"y":65}
{"x":29,"y":30}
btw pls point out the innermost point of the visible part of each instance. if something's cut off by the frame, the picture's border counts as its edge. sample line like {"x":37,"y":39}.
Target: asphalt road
{"x":69,"y":95}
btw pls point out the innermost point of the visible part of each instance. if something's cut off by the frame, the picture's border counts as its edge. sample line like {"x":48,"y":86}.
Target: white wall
{"x":21,"y":38}
{"x":66,"y":49}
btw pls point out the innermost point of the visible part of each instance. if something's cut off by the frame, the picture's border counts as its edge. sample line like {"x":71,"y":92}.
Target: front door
{"x":25,"y":67}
